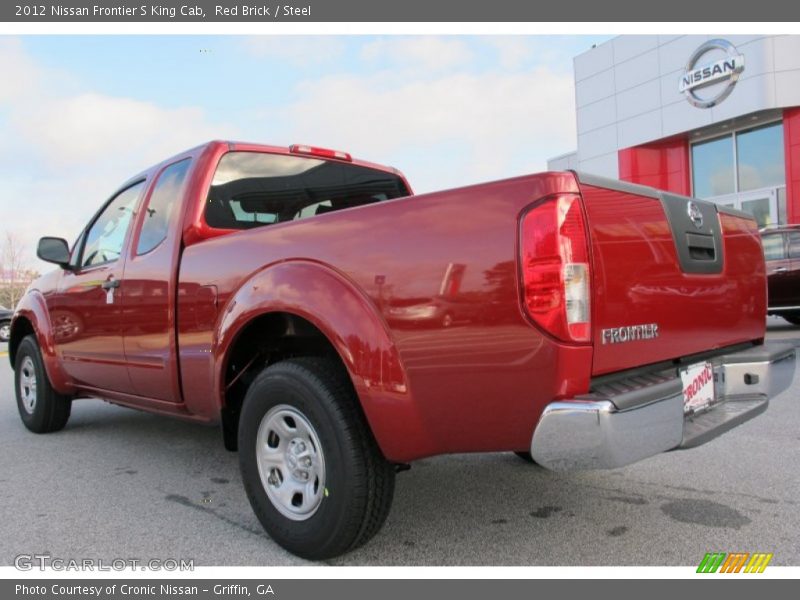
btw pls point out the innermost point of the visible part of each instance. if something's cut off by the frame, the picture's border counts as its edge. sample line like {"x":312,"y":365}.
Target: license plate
{"x":698,"y":387}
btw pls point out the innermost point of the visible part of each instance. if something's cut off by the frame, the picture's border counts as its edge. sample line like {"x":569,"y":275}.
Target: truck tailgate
{"x":671,"y":276}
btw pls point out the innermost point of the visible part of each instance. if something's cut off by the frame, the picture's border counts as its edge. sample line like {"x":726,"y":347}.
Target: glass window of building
{"x":794,"y":244}
{"x":759,"y":154}
{"x":744,"y":169}
{"x":774,"y":248}
{"x":760,"y":208}
{"x":713,"y":168}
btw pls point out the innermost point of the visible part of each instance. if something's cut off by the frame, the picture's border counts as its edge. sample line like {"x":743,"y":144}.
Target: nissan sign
{"x":725,"y":70}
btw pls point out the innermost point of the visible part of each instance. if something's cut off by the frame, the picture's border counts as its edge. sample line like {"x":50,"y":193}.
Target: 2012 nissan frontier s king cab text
{"x":338,"y":327}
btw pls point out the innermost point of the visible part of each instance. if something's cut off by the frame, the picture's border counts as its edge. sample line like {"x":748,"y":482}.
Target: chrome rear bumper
{"x":624,"y":422}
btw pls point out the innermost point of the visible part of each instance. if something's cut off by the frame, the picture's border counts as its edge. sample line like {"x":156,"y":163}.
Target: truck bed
{"x":453,"y":255}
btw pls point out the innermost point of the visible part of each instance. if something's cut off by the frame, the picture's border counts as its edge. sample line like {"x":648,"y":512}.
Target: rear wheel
{"x":311,"y":468}
{"x":793,"y":318}
{"x":5,"y":331}
{"x":41,"y":408}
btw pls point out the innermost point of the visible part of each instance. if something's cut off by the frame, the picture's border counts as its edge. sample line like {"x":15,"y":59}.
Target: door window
{"x":160,"y":209}
{"x":106,"y":236}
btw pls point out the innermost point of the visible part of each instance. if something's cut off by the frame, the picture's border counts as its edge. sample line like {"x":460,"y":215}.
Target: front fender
{"x":353,"y":326}
{"x":32,"y":309}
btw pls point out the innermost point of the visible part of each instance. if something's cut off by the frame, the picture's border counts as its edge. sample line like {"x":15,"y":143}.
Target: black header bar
{"x":465,"y":11}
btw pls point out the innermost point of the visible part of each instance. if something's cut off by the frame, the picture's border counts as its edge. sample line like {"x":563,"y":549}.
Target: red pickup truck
{"x":338,"y":327}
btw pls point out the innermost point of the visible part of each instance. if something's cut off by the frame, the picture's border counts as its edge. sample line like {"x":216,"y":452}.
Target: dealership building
{"x":709,"y":116}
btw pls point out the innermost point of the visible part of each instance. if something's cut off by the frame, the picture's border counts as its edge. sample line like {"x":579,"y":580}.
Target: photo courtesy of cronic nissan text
{"x":387,"y":298}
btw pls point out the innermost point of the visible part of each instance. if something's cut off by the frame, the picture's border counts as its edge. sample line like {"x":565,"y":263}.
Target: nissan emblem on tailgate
{"x":694,"y":214}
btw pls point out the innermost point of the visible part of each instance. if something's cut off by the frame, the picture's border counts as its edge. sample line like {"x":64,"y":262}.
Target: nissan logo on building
{"x":706,"y":84}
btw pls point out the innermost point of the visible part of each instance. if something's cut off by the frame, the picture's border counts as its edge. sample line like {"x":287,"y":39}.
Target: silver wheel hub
{"x":27,"y":384}
{"x":290,"y":462}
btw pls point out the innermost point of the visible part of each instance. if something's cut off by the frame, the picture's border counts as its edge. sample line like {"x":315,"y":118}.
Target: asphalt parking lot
{"x":117,"y":483}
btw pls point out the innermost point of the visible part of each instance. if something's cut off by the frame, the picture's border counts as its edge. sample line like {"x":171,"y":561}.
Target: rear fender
{"x":353,"y":326}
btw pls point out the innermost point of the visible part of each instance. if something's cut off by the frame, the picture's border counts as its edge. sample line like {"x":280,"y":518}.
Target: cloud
{"x":62,"y":153}
{"x":448,"y":111}
{"x":96,"y":129}
{"x":64,"y":129}
{"x":14,"y":65}
{"x":295,"y":50}
{"x":426,"y":53}
{"x":497,"y":122}
{"x":514,"y":51}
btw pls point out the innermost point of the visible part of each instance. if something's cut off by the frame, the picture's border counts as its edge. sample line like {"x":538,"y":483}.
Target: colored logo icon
{"x":735,"y":562}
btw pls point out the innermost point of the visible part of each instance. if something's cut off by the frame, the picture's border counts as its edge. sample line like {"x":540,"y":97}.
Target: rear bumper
{"x":624,"y":422}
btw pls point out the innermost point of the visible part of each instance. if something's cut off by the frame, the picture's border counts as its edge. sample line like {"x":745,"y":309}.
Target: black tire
{"x":793,"y":318}
{"x":526,"y":456}
{"x":358,"y":480}
{"x":42,"y":410}
{"x":5,"y":331}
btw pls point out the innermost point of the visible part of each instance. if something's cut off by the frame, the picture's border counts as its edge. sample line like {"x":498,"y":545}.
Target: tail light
{"x":321,"y":152}
{"x":555,"y":268}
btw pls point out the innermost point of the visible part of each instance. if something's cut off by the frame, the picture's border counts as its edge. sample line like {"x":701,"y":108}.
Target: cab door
{"x":150,"y":280}
{"x":85,"y":311}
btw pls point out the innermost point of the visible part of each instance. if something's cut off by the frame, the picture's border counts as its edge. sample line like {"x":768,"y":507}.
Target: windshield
{"x":253,"y":189}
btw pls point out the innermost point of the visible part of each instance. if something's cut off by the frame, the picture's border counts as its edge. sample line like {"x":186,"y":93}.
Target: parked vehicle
{"x":782,"y":254}
{"x":5,"y":323}
{"x":594,"y":323}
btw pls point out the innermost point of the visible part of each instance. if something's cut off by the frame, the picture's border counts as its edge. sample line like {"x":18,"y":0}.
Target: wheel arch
{"x":302,"y":307}
{"x":31,"y":317}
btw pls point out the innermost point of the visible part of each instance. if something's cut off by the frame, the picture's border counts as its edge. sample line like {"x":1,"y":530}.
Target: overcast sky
{"x":80,"y":114}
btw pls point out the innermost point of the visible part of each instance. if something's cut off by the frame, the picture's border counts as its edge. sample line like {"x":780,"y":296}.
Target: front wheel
{"x":311,"y":468}
{"x":41,"y":408}
{"x":526,"y":456}
{"x":5,"y":331}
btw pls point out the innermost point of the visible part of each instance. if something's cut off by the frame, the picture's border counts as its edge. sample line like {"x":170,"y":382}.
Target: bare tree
{"x":15,"y":276}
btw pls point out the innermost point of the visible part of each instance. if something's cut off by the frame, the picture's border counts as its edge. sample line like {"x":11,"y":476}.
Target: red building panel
{"x":663,"y":164}
{"x":791,"y":140}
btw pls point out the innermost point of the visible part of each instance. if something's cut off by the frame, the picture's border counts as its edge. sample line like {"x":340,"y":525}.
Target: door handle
{"x":780,"y":270}
{"x":110,"y":284}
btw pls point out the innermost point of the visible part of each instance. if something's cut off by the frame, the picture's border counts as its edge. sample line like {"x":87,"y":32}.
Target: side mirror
{"x":54,"y":250}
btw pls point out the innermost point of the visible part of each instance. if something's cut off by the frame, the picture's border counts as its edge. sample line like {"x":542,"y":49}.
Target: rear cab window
{"x":254,"y":189}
